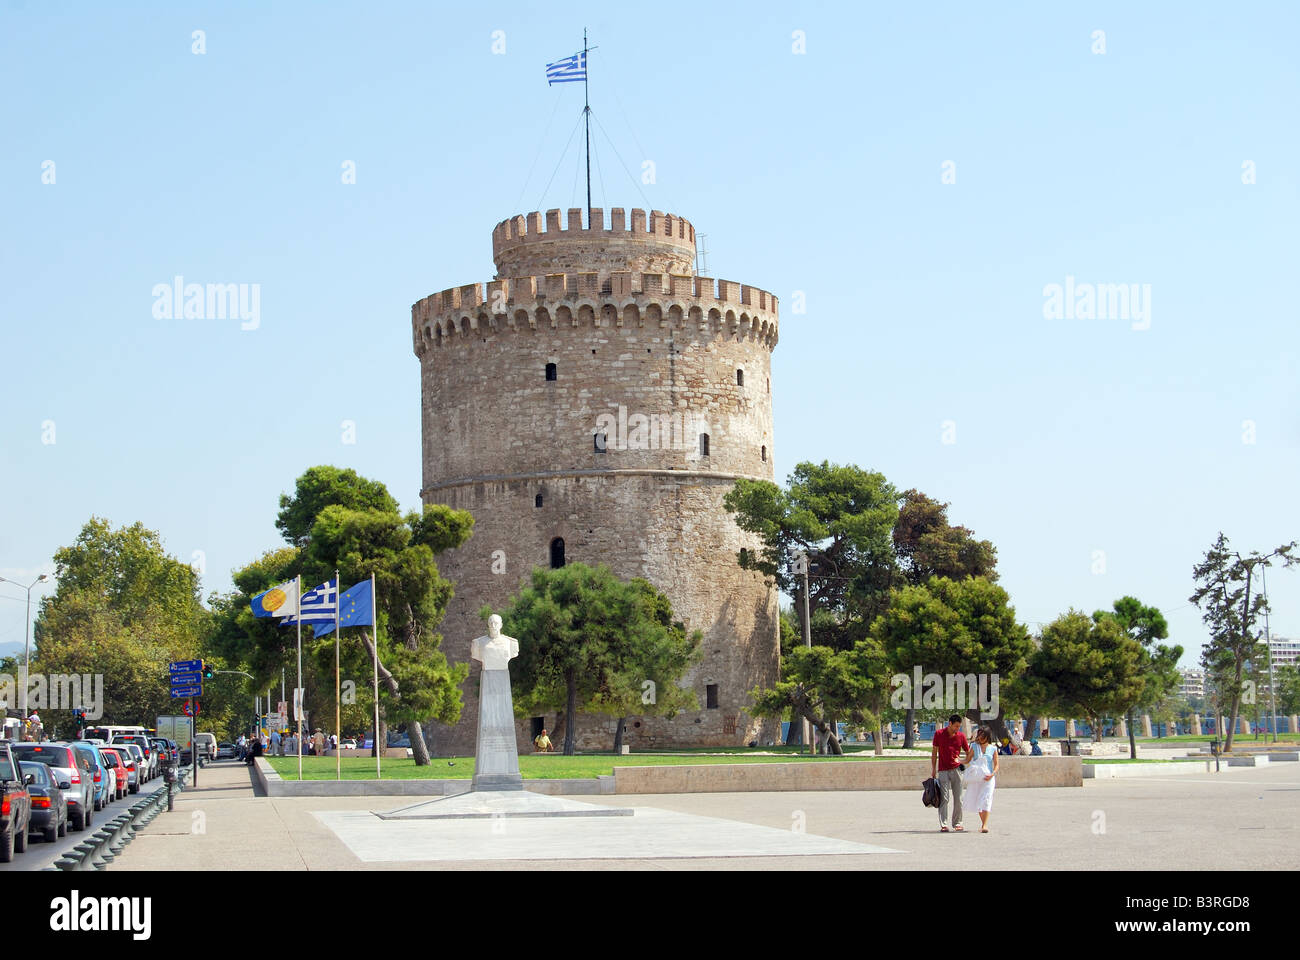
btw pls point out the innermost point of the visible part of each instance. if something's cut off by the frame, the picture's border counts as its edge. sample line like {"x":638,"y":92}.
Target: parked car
{"x":101,"y":777}
{"x":348,"y":744}
{"x":69,"y":767}
{"x":226,"y":751}
{"x":164,"y":748}
{"x":117,"y":764}
{"x":49,"y":805}
{"x":15,"y":805}
{"x":149,"y":769}
{"x":141,"y":764}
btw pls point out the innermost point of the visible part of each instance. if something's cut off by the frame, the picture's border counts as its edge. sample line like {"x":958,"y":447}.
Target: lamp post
{"x":27,"y":649}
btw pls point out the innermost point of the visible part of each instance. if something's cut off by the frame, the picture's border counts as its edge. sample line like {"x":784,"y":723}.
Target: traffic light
{"x":208,"y":672}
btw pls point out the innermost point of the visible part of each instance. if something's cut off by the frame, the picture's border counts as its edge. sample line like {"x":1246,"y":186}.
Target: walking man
{"x":945,"y":766}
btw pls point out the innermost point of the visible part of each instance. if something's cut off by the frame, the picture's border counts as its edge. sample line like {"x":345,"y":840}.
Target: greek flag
{"x":317,"y":606}
{"x":569,"y":70}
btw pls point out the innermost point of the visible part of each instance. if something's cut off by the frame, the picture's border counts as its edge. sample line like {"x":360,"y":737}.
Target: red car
{"x":118,"y":766}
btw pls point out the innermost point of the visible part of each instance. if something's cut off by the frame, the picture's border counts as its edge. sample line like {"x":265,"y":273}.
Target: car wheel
{"x":63,"y":828}
{"x":20,"y":839}
{"x":51,"y":834}
{"x":80,"y":821}
{"x":133,"y":788}
{"x":7,"y":844}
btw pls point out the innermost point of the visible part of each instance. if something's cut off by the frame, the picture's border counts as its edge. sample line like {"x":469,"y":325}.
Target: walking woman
{"x":980,"y":777}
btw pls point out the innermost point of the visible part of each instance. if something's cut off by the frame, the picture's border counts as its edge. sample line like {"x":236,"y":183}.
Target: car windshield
{"x":38,"y":770}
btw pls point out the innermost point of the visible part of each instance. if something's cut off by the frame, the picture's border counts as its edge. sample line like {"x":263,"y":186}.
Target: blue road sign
{"x":185,"y":666}
{"x":194,"y":690}
{"x":185,"y":679}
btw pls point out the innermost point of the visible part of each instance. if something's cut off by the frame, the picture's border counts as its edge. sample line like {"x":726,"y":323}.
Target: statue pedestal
{"x":496,"y":759}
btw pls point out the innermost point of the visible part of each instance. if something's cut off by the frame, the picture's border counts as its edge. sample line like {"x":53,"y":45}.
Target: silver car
{"x":67,"y":768}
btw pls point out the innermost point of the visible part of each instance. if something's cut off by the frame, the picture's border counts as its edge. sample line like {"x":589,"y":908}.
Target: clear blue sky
{"x":817,"y":172}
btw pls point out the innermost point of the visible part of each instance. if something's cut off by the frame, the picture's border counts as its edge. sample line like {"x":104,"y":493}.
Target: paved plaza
{"x":1240,"y":819}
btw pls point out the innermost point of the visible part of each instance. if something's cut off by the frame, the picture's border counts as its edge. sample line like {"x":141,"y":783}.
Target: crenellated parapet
{"x":707,"y":307}
{"x":632,"y":241}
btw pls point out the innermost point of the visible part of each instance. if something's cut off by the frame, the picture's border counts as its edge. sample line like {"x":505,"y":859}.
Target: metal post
{"x":1268,"y":642}
{"x":374,"y":629}
{"x":807,"y":642}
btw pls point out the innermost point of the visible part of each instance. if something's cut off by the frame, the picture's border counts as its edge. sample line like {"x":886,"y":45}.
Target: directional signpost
{"x":186,"y":682}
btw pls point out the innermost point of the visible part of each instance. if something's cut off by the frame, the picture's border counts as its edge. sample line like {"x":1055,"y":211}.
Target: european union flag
{"x":354,"y":609}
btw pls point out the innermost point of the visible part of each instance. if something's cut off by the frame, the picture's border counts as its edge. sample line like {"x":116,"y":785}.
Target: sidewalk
{"x":1240,"y":819}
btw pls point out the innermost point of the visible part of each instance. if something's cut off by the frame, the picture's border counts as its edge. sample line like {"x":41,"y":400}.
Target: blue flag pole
{"x":374,"y":629}
{"x":338,"y":709}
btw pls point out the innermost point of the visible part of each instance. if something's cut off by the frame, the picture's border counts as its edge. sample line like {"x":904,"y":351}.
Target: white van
{"x":207,"y":744}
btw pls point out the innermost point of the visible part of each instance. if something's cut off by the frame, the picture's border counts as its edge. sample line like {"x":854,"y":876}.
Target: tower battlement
{"x":715,"y":307}
{"x":657,"y":241}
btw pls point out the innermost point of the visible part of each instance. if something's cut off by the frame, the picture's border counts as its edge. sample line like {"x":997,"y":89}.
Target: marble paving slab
{"x":650,"y":834}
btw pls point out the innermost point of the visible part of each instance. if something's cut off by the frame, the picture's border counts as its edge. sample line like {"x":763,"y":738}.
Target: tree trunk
{"x":909,"y":722}
{"x":879,"y":739}
{"x":618,"y":736}
{"x":559,"y":733}
{"x":418,"y":748}
{"x":1033,"y":726}
{"x":571,"y":710}
{"x":1132,"y":738}
{"x":827,"y":731}
{"x":795,"y":734}
{"x":1236,"y":707}
{"x":381,"y":737}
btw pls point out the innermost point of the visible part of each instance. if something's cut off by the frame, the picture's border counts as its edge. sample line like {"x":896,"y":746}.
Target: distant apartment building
{"x":1193,"y":684}
{"x":1286,"y":653}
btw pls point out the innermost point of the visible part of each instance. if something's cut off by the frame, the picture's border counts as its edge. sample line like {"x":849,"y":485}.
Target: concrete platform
{"x":650,"y":834}
{"x":490,"y":804}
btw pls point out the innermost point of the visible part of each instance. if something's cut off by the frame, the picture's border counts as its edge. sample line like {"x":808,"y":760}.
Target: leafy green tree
{"x":588,"y":641}
{"x":1088,"y":667}
{"x":357,"y":530}
{"x":822,"y":685}
{"x":927,"y":545}
{"x":964,"y":628}
{"x":123,"y":609}
{"x":1230,"y":608}
{"x":1158,"y":664}
{"x":843,"y":518}
{"x":1287,"y":679}
{"x":326,"y":486}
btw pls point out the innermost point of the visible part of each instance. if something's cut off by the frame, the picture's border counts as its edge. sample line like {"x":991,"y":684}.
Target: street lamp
{"x":27,"y":650}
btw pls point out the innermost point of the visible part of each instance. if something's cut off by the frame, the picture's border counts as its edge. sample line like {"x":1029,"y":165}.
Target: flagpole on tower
{"x":586,"y":115}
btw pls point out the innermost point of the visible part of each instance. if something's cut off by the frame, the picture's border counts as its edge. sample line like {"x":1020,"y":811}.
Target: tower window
{"x":711,"y":697}
{"x":537,"y":500}
{"x":744,"y":556}
{"x":764,"y":449}
{"x":550,"y":372}
{"x":740,"y":378}
{"x":598,"y":441}
{"x":557,"y":553}
{"x":704,"y":444}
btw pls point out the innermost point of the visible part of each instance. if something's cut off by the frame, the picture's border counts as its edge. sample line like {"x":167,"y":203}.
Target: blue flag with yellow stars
{"x":354,"y":609}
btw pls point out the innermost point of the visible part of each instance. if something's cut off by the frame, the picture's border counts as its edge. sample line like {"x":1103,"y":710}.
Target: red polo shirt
{"x":951,"y":748}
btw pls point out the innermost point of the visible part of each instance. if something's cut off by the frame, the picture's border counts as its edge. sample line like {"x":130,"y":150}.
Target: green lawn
{"x":1242,"y":738}
{"x":1144,"y":760}
{"x":532,"y":767}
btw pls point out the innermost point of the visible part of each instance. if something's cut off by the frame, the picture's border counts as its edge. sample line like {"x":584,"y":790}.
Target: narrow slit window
{"x":711,"y":697}
{"x":740,"y":378}
{"x":537,"y":500}
{"x":704,"y":444}
{"x":764,"y":449}
{"x":557,"y":553}
{"x":550,"y":372}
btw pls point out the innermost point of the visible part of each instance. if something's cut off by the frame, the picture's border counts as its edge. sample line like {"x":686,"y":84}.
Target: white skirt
{"x":978,"y":795}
